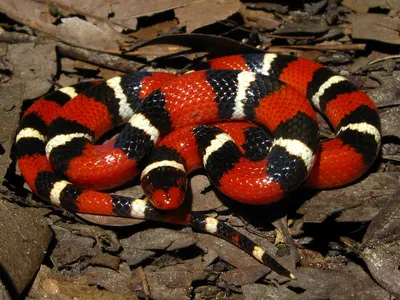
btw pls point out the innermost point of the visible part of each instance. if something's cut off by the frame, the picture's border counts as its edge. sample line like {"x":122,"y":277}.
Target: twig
{"x":109,"y":61}
{"x":16,"y":37}
{"x":389,"y":104}
{"x":113,"y":62}
{"x":383,"y":59}
{"x":341,"y":47}
{"x":311,"y":37}
{"x":142,"y":275}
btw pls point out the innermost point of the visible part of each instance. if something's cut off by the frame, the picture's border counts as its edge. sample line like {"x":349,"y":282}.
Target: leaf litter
{"x":47,"y":45}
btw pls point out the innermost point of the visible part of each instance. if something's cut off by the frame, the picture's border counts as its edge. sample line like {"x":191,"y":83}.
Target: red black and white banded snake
{"x":174,"y":113}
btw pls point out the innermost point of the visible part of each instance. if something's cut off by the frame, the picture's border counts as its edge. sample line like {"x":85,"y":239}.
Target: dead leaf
{"x":70,"y":248}
{"x":110,"y":220}
{"x":362,"y":6}
{"x":381,"y":245}
{"x":260,"y":19}
{"x":391,"y":122}
{"x":160,"y":239}
{"x":151,"y":32}
{"x":25,"y":237}
{"x":96,"y":35}
{"x":314,"y":8}
{"x":114,"y":281}
{"x":106,"y":239}
{"x":267,"y":292}
{"x":359,"y":202}
{"x":205,"y":12}
{"x":362,"y":61}
{"x":376,"y":27}
{"x":312,"y":259}
{"x":269,"y":6}
{"x":172,"y":282}
{"x":245,"y":275}
{"x":33,"y":66}
{"x":348,"y":281}
{"x":203,"y":201}
{"x":298,"y":29}
{"x":389,"y":91}
{"x":51,"y":285}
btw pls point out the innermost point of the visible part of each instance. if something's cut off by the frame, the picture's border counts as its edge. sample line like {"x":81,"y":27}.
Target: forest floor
{"x":341,"y":243}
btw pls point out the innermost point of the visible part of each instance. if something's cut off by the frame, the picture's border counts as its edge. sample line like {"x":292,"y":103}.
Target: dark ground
{"x":342,"y":244}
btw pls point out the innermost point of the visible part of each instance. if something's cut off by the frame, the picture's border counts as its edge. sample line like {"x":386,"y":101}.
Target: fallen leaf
{"x":267,"y":292}
{"x":25,"y":236}
{"x":245,"y":275}
{"x":376,"y":27}
{"x":70,"y":248}
{"x":160,"y":239}
{"x":391,"y":122}
{"x":269,"y":6}
{"x":298,"y":29}
{"x":52,"y":285}
{"x":343,"y":282}
{"x":172,"y":282}
{"x":96,"y":35}
{"x":114,"y":281}
{"x":205,"y":12}
{"x":359,"y":202}
{"x":314,"y":8}
{"x":203,"y":199}
{"x":312,"y":259}
{"x":381,"y":245}
{"x":362,"y":6}
{"x":260,"y":19}
{"x":389,"y":91}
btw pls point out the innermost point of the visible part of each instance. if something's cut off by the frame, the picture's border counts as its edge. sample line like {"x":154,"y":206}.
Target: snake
{"x":249,"y":120}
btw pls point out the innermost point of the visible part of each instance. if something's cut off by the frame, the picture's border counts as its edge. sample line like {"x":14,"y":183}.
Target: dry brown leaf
{"x":391,"y":122}
{"x":147,"y":33}
{"x":173,"y":281}
{"x":201,"y":13}
{"x":362,"y":6}
{"x":260,"y":19}
{"x":114,"y":281}
{"x":245,"y":275}
{"x":342,"y":282}
{"x":388,"y":92}
{"x":302,"y":29}
{"x":122,"y":13}
{"x":25,"y":237}
{"x":51,"y":285}
{"x":359,"y":202}
{"x":376,"y":27}
{"x":381,"y":246}
{"x":96,"y":35}
{"x":160,"y":239}
{"x":362,"y":61}
{"x":102,"y":21}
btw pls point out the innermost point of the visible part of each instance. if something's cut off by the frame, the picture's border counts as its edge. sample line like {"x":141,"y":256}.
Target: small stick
{"x":113,"y":62}
{"x":383,"y":59}
{"x":16,"y":37}
{"x":106,"y":60}
{"x":145,"y":284}
{"x":346,"y":47}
